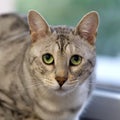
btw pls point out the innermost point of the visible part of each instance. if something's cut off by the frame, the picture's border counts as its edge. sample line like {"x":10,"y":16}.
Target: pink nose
{"x":61,"y":80}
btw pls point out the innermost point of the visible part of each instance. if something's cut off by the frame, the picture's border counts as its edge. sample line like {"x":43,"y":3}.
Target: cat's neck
{"x":60,"y":104}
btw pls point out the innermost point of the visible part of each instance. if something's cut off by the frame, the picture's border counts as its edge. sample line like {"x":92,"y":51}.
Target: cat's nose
{"x":61,"y":80}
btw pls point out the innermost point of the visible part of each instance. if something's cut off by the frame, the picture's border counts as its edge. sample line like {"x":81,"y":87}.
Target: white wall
{"x":7,"y":6}
{"x":108,"y":70}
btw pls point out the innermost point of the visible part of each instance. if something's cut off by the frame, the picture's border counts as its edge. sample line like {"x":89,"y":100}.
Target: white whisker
{"x":73,"y":81}
{"x":31,"y":86}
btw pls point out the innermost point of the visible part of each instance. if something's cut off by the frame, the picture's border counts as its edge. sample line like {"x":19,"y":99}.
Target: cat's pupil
{"x":47,"y":56}
{"x":76,"y":58}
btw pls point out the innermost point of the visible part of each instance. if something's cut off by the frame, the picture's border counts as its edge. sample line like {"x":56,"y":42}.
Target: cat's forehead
{"x":62,"y":30}
{"x":63,"y":35}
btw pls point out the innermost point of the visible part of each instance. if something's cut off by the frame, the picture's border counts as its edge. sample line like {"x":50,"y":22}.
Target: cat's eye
{"x":75,"y":60}
{"x":48,"y":59}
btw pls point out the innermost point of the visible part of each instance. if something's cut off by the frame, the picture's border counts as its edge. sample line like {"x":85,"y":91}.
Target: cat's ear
{"x":88,"y":26}
{"x":38,"y":26}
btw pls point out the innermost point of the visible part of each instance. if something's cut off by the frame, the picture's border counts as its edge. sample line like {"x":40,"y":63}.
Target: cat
{"x":47,"y":73}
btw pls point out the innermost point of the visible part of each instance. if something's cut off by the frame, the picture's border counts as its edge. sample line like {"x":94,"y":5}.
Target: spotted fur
{"x":29,"y":89}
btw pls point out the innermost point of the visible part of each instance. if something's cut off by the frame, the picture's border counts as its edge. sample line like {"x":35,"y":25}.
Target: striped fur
{"x":28,"y":87}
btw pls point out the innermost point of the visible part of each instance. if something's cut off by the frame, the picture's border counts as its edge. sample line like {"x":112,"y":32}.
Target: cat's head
{"x":62,"y":58}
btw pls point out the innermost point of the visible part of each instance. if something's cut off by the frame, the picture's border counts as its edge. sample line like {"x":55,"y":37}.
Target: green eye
{"x":48,"y":59}
{"x":75,"y":60}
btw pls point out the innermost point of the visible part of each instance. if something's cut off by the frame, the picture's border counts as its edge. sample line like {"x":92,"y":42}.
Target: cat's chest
{"x":7,"y":114}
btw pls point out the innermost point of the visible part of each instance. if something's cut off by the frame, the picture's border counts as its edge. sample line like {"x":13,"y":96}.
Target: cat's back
{"x":13,"y":37}
{"x":11,"y":26}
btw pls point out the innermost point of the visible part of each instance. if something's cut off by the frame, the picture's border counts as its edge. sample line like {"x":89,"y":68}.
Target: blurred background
{"x":69,"y":12}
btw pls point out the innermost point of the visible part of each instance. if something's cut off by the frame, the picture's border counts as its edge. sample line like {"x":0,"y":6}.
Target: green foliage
{"x":69,"y":12}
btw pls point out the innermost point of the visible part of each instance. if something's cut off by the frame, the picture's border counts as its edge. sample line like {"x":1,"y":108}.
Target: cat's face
{"x":62,"y":58}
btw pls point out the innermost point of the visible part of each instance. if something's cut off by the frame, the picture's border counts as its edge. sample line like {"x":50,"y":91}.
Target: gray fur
{"x":28,"y":89}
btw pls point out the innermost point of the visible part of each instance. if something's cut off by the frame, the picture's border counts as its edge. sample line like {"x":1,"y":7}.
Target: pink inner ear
{"x":35,"y":36}
{"x":87,"y":36}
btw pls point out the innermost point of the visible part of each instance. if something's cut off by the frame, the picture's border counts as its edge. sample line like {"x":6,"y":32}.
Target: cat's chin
{"x":61,"y":92}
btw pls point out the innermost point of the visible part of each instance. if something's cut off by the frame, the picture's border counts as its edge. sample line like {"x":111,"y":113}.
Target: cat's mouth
{"x":61,"y":91}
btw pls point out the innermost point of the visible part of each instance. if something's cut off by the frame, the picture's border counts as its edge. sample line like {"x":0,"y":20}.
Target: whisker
{"x":73,"y":81}
{"x":31,"y":86}
{"x":38,"y":84}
